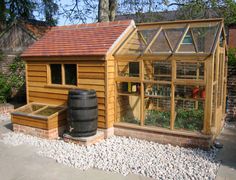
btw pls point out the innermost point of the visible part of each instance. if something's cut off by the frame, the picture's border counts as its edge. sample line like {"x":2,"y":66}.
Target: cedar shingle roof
{"x":76,"y":40}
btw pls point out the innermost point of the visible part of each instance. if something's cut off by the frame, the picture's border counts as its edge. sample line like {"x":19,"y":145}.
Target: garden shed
{"x":162,"y":81}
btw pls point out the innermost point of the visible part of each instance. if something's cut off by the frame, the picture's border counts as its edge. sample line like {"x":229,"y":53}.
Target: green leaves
{"x":158,"y":118}
{"x":232,"y":57}
{"x":5,"y":89}
{"x":12,"y":81}
{"x":188,"y":9}
{"x":190,"y":119}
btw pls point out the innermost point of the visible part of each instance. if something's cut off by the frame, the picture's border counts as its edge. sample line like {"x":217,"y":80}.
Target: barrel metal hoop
{"x":84,"y":120}
{"x":74,"y":97}
{"x":83,"y":108}
{"x":84,"y":131}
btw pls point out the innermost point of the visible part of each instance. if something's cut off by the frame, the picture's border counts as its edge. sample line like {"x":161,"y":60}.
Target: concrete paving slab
{"x":23,"y":163}
{"x":227,"y":155}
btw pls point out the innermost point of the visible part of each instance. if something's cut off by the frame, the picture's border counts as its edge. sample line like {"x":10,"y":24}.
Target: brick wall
{"x":5,"y":62}
{"x":47,"y":134}
{"x":232,"y":36}
{"x":231,"y":85}
{"x":203,"y":142}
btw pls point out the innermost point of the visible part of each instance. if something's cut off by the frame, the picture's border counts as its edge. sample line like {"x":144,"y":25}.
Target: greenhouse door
{"x":220,"y":88}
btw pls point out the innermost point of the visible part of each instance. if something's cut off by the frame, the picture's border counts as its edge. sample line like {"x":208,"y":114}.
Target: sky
{"x":62,"y":20}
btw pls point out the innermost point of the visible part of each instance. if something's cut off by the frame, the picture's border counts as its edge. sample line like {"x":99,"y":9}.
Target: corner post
{"x":209,"y":96}
{"x":172,"y":116}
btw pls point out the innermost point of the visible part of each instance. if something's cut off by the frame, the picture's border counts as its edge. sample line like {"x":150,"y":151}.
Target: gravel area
{"x":5,"y":117}
{"x":126,"y":155}
{"x":231,"y":125}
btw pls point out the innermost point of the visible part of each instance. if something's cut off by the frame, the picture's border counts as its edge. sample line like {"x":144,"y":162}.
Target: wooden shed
{"x":159,"y":81}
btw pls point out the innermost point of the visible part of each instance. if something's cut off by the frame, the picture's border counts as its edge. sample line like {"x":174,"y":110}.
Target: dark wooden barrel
{"x":82,"y":112}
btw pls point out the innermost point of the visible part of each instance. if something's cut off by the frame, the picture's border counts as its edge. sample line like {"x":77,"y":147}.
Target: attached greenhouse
{"x":172,"y":75}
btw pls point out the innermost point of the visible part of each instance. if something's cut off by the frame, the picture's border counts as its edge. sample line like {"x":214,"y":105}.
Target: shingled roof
{"x":79,"y":40}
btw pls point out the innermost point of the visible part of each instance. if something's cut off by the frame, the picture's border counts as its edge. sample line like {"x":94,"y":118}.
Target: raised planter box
{"x":41,"y":118}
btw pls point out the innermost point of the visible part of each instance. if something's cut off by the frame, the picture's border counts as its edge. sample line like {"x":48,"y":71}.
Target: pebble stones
{"x":127,"y":155}
{"x":5,"y":117}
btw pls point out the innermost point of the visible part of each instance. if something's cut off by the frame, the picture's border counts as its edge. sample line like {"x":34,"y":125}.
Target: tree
{"x":198,"y":9}
{"x":107,"y":10}
{"x":50,"y":9}
{"x":2,"y":14}
{"x":25,"y":9}
{"x":20,"y":9}
{"x":11,"y":9}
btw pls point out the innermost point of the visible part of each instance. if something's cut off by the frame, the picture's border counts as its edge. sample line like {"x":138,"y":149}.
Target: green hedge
{"x":232,"y":57}
{"x":12,"y":81}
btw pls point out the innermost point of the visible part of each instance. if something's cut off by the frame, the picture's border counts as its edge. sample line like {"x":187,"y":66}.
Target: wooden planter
{"x":40,"y":116}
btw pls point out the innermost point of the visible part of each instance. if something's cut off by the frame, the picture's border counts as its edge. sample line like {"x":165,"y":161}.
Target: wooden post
{"x":209,"y":96}
{"x":216,"y":70}
{"x":106,"y":93}
{"x":116,"y":96}
{"x":26,"y":82}
{"x":172,"y":120}
{"x":141,"y":65}
{"x":63,"y":74}
{"x":225,"y":86}
{"x":196,"y":102}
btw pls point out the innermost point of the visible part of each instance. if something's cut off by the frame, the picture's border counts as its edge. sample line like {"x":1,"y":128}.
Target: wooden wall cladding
{"x":91,"y":75}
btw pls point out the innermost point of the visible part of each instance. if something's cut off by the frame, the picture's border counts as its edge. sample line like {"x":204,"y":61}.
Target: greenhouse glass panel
{"x":128,"y":69}
{"x":160,"y":44}
{"x":134,"y":46}
{"x":190,"y":70}
{"x":128,"y":109}
{"x":204,"y":36}
{"x":189,"y":107}
{"x":157,"y":70}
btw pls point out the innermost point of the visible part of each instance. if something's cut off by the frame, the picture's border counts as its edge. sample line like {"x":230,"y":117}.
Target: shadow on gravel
{"x":9,"y":126}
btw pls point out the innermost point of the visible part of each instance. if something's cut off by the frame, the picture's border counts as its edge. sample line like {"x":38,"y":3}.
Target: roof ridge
{"x":92,"y":25}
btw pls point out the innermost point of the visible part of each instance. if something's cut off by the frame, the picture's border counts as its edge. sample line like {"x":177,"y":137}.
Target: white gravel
{"x":126,"y":155}
{"x":5,"y":117}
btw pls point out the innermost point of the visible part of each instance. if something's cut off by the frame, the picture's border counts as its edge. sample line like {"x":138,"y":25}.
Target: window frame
{"x":186,"y":38}
{"x":49,"y":81}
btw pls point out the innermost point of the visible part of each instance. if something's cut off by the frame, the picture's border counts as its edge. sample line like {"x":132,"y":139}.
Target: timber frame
{"x":151,"y":77}
{"x":140,"y":49}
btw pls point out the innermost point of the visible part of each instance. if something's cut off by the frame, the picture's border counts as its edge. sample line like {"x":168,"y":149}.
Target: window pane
{"x":189,"y":107}
{"x":187,"y":70}
{"x":157,"y":104}
{"x":128,"y":109}
{"x":157,"y":70}
{"x":56,"y":74}
{"x":134,"y":69}
{"x":128,"y":69}
{"x":187,"y":39}
{"x":70,"y":74}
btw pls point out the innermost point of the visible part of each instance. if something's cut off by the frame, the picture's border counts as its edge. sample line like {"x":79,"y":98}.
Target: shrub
{"x":158,"y":118}
{"x":5,"y":88}
{"x":12,"y":81}
{"x":190,"y":119}
{"x":232,"y":57}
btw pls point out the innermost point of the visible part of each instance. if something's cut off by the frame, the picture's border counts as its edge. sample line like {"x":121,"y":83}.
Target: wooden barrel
{"x":82,"y":112}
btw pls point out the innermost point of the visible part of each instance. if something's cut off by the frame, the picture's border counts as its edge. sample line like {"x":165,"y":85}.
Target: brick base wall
{"x":166,"y":138}
{"x":107,"y":132}
{"x":48,"y":134}
{"x":6,"y":108}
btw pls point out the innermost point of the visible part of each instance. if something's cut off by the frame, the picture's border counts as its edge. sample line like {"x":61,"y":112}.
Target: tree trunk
{"x":112,"y":9}
{"x":2,"y":15}
{"x":103,"y":11}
